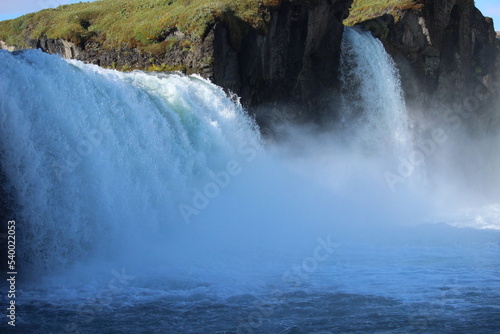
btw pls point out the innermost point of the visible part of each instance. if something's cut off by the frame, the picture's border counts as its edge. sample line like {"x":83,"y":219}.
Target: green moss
{"x":208,"y":61}
{"x":186,"y":45}
{"x":363,"y":10}
{"x":170,"y":43}
{"x":129,"y":23}
{"x":167,"y":68}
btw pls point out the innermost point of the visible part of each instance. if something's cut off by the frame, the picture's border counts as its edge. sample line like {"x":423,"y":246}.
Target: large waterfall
{"x":99,"y":158}
{"x":149,"y":203}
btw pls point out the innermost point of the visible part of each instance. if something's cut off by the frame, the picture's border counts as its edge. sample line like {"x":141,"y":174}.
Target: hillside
{"x":147,"y":25}
{"x":363,"y":10}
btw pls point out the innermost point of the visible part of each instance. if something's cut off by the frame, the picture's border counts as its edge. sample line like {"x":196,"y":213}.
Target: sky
{"x":10,"y":9}
{"x":490,"y":8}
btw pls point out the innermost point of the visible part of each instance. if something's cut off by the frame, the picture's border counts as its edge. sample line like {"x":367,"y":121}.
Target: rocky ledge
{"x":273,"y":52}
{"x":292,"y":56}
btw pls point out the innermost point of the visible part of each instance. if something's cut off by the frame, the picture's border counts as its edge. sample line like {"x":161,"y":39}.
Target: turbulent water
{"x":150,"y":204}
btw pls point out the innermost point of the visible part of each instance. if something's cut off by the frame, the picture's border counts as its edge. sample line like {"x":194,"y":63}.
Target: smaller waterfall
{"x":374,"y":106}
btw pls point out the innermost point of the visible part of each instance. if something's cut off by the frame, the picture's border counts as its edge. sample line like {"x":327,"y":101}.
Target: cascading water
{"x":374,"y":106}
{"x":99,"y":158}
{"x":147,"y":203}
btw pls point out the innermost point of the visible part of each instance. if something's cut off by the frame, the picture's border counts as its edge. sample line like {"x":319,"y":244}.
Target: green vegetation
{"x":132,"y":23}
{"x":363,"y":10}
{"x":156,"y":26}
{"x":150,"y":24}
{"x":153,"y":68}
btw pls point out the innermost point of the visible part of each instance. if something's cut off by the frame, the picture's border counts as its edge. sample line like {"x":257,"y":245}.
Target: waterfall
{"x":374,"y":109}
{"x":150,"y":201}
{"x":99,"y":158}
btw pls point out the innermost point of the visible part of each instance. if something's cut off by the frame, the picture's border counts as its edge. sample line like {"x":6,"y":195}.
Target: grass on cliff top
{"x":128,"y":23}
{"x":362,"y":10}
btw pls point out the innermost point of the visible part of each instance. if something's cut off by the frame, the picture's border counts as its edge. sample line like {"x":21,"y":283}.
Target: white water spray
{"x":374,"y":109}
{"x":99,"y":158}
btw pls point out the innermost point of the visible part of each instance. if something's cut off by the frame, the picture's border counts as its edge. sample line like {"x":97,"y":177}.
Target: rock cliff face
{"x":294,"y":60}
{"x":444,"y":50}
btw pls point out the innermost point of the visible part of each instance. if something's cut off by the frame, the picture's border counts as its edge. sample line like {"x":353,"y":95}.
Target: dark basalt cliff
{"x":293,"y":60}
{"x":444,"y":50}
{"x":296,"y":61}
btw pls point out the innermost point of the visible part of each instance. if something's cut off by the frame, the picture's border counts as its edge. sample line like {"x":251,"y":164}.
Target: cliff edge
{"x":444,"y":49}
{"x":265,"y":51}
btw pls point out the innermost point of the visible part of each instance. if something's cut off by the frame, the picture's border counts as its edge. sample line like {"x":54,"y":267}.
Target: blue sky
{"x":10,"y":9}
{"x":490,"y":8}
